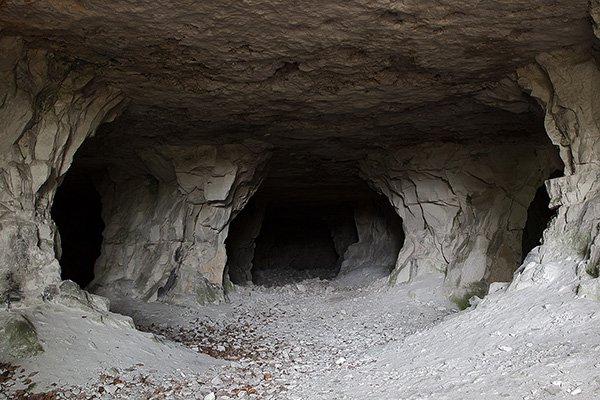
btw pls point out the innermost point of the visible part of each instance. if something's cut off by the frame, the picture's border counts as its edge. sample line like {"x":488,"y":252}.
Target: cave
{"x":77,"y":210}
{"x":362,"y":146}
{"x":314,"y":231}
{"x":446,"y":131}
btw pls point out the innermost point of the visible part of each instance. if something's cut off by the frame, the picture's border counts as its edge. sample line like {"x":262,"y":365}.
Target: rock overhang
{"x":359,"y":72}
{"x":422,"y":101}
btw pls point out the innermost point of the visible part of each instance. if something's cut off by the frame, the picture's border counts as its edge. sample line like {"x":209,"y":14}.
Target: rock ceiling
{"x":319,"y":80}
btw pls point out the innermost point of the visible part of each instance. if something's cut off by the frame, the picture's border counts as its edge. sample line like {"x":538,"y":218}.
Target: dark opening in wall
{"x":274,"y":242}
{"x":297,"y":243}
{"x":77,"y":212}
{"x":539,"y":216}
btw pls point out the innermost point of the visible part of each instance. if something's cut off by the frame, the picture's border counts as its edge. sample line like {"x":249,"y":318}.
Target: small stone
{"x":576,"y":391}
{"x":505,"y":348}
{"x":340,"y":361}
{"x":210,"y":396}
{"x":111,"y":389}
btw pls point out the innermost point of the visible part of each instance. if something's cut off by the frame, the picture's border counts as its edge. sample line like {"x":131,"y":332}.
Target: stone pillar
{"x":48,"y":107}
{"x":166,"y":228}
{"x":567,"y":86}
{"x":463,"y":208}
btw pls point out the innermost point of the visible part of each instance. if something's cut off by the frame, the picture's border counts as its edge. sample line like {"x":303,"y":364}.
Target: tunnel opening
{"x":296,"y":243}
{"x":539,"y":215}
{"x":286,"y":235}
{"x":76,"y":211}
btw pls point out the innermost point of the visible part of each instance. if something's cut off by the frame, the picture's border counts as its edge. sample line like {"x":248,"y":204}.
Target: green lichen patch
{"x":478,"y":289}
{"x":21,"y":338}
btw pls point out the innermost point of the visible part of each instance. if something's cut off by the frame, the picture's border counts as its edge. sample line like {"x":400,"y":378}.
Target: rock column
{"x":463,"y":208}
{"x":48,"y":107}
{"x":166,"y":227}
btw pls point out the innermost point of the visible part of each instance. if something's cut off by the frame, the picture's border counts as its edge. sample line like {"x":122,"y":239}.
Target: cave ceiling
{"x":321,"y":81}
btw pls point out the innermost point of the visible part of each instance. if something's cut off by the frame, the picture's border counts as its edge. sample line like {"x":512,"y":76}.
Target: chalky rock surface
{"x":48,"y":108}
{"x":566,"y":84}
{"x":464,"y":208}
{"x":165,"y":230}
{"x":451,"y":110}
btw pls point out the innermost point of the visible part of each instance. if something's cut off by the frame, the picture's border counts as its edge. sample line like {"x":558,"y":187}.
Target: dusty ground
{"x":326,"y":340}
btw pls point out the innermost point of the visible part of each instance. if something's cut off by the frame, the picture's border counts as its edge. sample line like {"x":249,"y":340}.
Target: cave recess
{"x":454,"y":112}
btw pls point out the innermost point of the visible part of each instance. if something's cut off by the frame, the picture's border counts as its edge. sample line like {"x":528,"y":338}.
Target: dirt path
{"x":295,"y":341}
{"x":324,"y":341}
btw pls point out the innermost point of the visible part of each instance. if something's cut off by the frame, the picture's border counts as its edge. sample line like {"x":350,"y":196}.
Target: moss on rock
{"x":20,"y":338}
{"x":462,"y":300}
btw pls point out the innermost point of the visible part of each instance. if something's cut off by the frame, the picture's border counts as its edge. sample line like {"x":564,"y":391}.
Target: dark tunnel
{"x":77,"y":212}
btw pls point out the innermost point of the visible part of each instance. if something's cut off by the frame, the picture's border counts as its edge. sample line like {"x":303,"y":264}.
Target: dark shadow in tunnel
{"x":539,"y":216}
{"x":297,"y":243}
{"x":77,"y":212}
{"x":273,"y":244}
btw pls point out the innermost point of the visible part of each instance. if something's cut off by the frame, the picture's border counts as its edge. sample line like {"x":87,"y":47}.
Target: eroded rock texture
{"x":567,"y":85}
{"x":451,"y":110}
{"x":49,"y":107}
{"x":464,"y":207}
{"x":166,"y":229}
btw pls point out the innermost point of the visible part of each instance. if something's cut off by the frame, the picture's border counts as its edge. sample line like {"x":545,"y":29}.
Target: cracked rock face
{"x":182,"y":111}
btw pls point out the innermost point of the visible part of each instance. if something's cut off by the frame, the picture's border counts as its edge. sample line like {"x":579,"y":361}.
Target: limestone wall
{"x":380,"y":238}
{"x":567,"y":86}
{"x":48,"y":107}
{"x":166,"y":227}
{"x":463,"y":207}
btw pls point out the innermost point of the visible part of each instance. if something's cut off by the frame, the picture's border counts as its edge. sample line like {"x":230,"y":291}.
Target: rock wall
{"x":167,"y":220}
{"x":48,"y":107}
{"x":567,"y":86}
{"x":380,"y":238}
{"x":463,"y":207}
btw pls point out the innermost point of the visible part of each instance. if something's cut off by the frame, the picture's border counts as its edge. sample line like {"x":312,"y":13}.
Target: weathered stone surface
{"x":463,"y":207}
{"x":166,"y":228}
{"x":566,"y":84}
{"x":311,"y":70}
{"x":435,"y":103}
{"x":48,"y":108}
{"x":241,"y":243}
{"x":69,"y":294}
{"x":380,"y":238}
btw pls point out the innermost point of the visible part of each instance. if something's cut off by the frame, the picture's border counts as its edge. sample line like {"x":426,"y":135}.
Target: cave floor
{"x":325,"y":340}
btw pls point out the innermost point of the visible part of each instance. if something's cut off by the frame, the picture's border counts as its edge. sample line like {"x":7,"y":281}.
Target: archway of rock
{"x":77,"y":212}
{"x":286,"y":236}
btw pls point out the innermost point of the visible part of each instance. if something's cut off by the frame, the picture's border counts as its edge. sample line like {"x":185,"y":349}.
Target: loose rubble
{"x":326,"y":340}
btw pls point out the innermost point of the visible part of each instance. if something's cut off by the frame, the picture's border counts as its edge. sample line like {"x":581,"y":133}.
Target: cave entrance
{"x":539,"y":216}
{"x":277,"y":239}
{"x":297,"y":243}
{"x":77,"y":212}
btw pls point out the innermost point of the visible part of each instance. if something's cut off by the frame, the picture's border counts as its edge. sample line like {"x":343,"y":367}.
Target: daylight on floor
{"x":299,"y":200}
